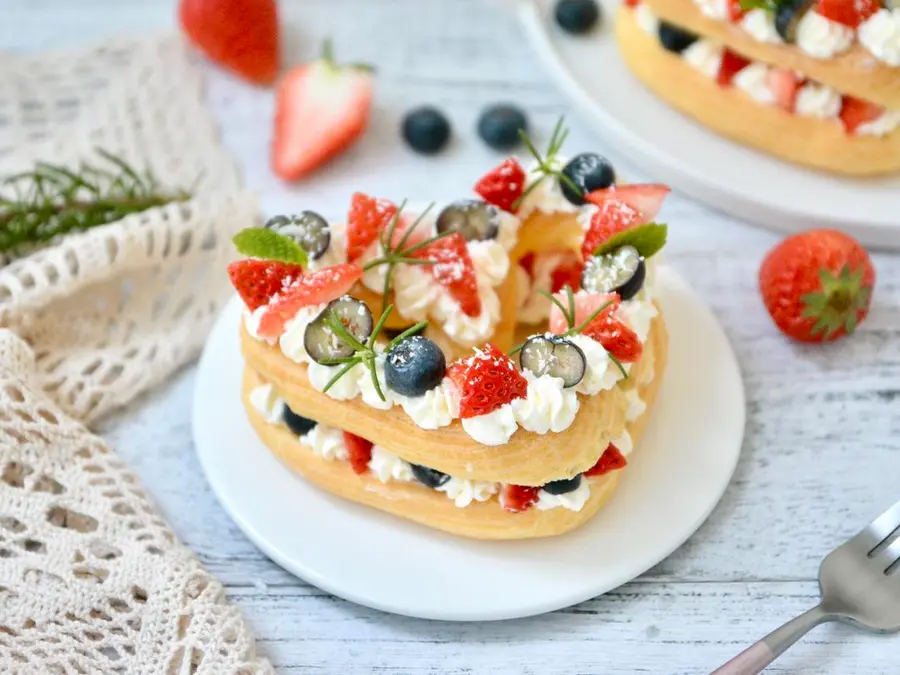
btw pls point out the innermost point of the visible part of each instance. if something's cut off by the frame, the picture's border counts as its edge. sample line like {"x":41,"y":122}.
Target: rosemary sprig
{"x":394,"y":255}
{"x":49,"y":201}
{"x":545,"y":163}
{"x":363,"y":353}
{"x":568,"y":311}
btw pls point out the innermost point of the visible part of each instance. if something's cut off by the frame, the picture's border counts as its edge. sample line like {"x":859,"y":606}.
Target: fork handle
{"x":754,"y":659}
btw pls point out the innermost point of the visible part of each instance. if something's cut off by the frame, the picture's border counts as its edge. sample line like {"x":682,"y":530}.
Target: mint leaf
{"x":258,"y":242}
{"x":647,"y":239}
{"x":765,"y":5}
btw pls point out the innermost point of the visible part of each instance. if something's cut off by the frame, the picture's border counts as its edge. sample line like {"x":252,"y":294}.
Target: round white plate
{"x":740,"y":181}
{"x":678,"y":473}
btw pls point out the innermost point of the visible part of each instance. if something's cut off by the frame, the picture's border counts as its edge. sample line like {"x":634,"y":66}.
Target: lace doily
{"x":92,"y":580}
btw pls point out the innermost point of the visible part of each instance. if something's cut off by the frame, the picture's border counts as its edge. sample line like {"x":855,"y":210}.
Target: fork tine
{"x":880,"y":529}
{"x":886,"y":558}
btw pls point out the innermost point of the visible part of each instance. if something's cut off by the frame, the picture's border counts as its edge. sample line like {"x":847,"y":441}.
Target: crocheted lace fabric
{"x":92,"y":580}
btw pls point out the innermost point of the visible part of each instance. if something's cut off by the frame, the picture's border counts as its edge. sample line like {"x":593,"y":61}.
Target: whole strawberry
{"x":817,"y":285}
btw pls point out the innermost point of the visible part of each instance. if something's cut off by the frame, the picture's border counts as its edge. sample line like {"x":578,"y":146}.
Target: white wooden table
{"x":822,"y":449}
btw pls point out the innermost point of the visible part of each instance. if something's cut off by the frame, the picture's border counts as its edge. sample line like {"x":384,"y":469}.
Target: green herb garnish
{"x":648,"y":239}
{"x":545,"y":164}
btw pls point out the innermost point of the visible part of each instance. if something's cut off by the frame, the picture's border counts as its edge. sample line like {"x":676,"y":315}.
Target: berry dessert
{"x":387,"y":362}
{"x":815,"y":82}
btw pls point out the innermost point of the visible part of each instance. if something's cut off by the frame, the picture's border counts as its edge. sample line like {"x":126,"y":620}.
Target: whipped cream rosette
{"x":380,"y":355}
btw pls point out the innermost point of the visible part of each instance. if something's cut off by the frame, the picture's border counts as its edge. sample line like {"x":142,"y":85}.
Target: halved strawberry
{"x":848,"y":12}
{"x":454,"y":270}
{"x":240,"y":35}
{"x":359,"y":451}
{"x":784,"y":84}
{"x":367,"y":217}
{"x":730,"y":66}
{"x":735,"y":11}
{"x":503,"y":186}
{"x":518,"y":498}
{"x":616,"y":337}
{"x":567,"y":273}
{"x":256,"y":281}
{"x":645,"y":198}
{"x":314,"y":288}
{"x":613,"y":216}
{"x":856,"y":112}
{"x":610,"y":460}
{"x":321,"y":109}
{"x":486,"y":381}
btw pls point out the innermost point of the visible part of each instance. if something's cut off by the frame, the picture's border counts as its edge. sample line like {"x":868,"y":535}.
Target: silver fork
{"x":860,"y":585}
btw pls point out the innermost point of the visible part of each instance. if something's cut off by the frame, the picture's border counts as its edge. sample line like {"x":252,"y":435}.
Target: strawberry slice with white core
{"x":615,"y":335}
{"x":256,"y":281}
{"x":518,"y":498}
{"x":784,"y":84}
{"x":486,"y":382}
{"x":454,"y":270}
{"x":315,"y":288}
{"x":612,"y":216}
{"x":647,"y":199}
{"x":359,"y":452}
{"x":856,"y":112}
{"x":321,"y":108}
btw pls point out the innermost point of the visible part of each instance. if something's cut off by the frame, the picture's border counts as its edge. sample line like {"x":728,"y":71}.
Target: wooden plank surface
{"x":822,"y":449}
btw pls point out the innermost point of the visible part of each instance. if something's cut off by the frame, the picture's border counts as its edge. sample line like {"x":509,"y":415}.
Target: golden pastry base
{"x":820,"y":144}
{"x":479,"y":520}
{"x":855,"y":72}
{"x":527,"y":459}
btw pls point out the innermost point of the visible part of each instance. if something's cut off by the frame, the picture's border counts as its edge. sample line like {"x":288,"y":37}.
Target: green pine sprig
{"x":401,"y":253}
{"x":545,"y":163}
{"x":568,"y":312}
{"x":363,"y":352}
{"x":49,"y":201}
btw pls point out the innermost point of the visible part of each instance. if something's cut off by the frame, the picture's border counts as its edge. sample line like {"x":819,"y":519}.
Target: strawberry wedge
{"x":647,"y":199}
{"x":313,"y":289}
{"x":616,"y":337}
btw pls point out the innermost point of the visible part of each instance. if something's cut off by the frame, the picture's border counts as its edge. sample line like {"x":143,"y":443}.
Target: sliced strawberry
{"x":567,"y":273}
{"x":359,"y":451}
{"x":735,"y":11}
{"x":314,"y":288}
{"x":527,"y":263}
{"x":856,"y":112}
{"x":616,"y":337}
{"x":612,"y":217}
{"x":240,"y":35}
{"x":610,"y":460}
{"x":730,"y":66}
{"x":848,"y":12}
{"x":647,"y":199}
{"x":320,"y":110}
{"x":256,"y":281}
{"x":454,"y":270}
{"x":486,"y":381}
{"x":784,"y":84}
{"x":368,"y":216}
{"x":518,"y":498}
{"x":503,"y":186}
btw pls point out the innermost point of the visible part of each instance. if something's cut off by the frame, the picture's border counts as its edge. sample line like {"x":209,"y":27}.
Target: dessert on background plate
{"x":381,"y":358}
{"x":815,"y":83}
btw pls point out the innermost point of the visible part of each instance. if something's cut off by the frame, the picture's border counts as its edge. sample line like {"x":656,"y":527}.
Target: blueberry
{"x":308,"y":229}
{"x":472,"y":218}
{"x":554,"y":356}
{"x":321,"y":341}
{"x":414,"y":366}
{"x":577,"y":16}
{"x":588,"y":171}
{"x":674,"y":39}
{"x":429,"y":477}
{"x":787,"y":15}
{"x":297,"y":424}
{"x":621,"y":271}
{"x":561,"y":487}
{"x":426,"y":130}
{"x":499,"y":126}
